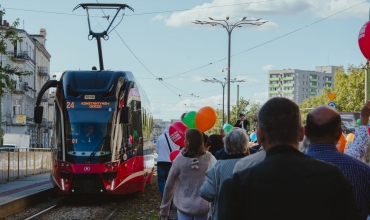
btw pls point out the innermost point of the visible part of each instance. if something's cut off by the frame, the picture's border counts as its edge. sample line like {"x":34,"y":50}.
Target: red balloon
{"x":177,"y":133}
{"x":368,"y":130}
{"x":205,"y":119}
{"x":174,"y":154}
{"x":364,"y":40}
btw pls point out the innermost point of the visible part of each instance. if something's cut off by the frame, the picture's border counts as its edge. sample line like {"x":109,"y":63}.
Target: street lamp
{"x":229,"y":28}
{"x":214,"y":80}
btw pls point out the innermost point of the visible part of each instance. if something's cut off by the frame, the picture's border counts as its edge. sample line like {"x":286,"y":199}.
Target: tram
{"x":101,"y":141}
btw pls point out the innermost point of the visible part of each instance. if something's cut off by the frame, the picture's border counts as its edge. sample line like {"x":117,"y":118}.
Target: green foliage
{"x":218,"y":125}
{"x":242,"y":109}
{"x":7,"y":73}
{"x":349,"y":88}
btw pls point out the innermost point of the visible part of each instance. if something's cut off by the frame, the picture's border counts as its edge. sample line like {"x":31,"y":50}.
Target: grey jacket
{"x":222,"y":170}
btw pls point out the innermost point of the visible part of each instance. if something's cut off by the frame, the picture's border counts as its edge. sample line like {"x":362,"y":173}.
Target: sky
{"x":159,"y":41}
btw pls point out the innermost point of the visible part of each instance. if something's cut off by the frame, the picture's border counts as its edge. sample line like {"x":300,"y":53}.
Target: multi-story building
{"x":299,"y":85}
{"x":18,"y":107}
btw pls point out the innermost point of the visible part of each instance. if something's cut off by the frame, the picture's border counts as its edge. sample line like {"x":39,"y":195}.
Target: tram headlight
{"x":114,"y":164}
{"x":67,"y":165}
{"x":62,"y":164}
{"x":108,"y":165}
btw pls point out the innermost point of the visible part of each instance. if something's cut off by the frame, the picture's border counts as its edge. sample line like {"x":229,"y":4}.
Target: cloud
{"x":268,"y":67}
{"x":260,"y":97}
{"x":237,"y":9}
{"x":245,"y":78}
{"x":159,"y":17}
{"x":197,"y":78}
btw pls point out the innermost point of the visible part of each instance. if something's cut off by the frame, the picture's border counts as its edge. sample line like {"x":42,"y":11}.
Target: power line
{"x":274,"y":39}
{"x":146,"y":13}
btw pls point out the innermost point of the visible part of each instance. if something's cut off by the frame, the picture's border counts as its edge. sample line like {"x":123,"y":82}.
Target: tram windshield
{"x":88,"y":132}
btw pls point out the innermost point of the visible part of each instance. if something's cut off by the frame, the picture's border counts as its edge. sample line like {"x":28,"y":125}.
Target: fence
{"x":24,"y":162}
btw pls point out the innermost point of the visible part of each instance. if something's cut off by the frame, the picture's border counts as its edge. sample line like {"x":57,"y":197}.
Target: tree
{"x":7,"y":73}
{"x":218,"y":125}
{"x":242,"y":109}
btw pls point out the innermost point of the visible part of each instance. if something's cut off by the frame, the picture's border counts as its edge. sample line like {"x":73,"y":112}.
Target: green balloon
{"x":189,"y":119}
{"x":358,"y":121}
{"x":227,"y":128}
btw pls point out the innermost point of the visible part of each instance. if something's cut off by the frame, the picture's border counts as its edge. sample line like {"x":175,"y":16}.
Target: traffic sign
{"x":332,"y":104}
{"x":331,"y":96}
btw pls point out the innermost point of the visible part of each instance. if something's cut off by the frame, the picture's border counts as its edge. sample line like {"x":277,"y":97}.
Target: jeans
{"x":181,"y":216}
{"x":162,"y":173}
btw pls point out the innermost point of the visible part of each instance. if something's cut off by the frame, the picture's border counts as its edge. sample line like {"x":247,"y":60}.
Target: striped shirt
{"x":356,"y":171}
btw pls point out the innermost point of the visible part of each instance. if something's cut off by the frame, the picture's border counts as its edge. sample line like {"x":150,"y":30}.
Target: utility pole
{"x":214,"y":80}
{"x":229,"y":28}
{"x":237,"y":100}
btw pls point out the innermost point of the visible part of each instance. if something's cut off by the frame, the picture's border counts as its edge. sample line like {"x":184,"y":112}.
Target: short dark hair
{"x":217,"y":143}
{"x":327,"y":129}
{"x":280,"y":120}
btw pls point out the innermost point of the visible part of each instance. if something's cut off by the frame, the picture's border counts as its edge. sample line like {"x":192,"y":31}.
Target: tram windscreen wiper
{"x":94,"y":152}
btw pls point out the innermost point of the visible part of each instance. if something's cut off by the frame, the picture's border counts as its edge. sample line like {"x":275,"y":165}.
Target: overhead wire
{"x":274,"y":39}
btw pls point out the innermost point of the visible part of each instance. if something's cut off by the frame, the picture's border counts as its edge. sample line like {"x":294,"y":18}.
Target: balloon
{"x":189,"y":119}
{"x":205,"y":118}
{"x":253,"y":137}
{"x":364,"y":40}
{"x":174,"y":154}
{"x":227,"y":128}
{"x":341,"y":143}
{"x":350,"y":137}
{"x":358,"y":121}
{"x":368,"y":130}
{"x":177,"y":133}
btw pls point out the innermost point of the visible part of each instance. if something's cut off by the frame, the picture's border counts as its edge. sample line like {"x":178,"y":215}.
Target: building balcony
{"x":288,"y":78}
{"x":274,"y":92}
{"x":288,"y":91}
{"x":313,"y":93}
{"x":42,"y":71}
{"x":274,"y":85}
{"x":313,"y":87}
{"x":288,"y":85}
{"x":313,"y":80}
{"x":19,"y":55}
{"x":328,"y":85}
{"x":275,"y":79}
{"x":328,"y":81}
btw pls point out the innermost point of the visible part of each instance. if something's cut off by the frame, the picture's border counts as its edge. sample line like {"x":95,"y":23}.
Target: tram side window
{"x":58,"y":132}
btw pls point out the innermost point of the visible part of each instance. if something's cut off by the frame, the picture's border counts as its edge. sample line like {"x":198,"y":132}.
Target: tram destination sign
{"x":88,"y":104}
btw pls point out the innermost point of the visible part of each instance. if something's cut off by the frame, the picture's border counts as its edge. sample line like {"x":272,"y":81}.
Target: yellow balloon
{"x":350,"y":137}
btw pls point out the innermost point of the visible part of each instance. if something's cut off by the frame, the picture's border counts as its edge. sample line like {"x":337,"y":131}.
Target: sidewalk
{"x":17,"y":194}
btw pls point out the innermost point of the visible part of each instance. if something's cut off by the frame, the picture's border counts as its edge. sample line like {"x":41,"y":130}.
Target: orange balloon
{"x":341,"y":143}
{"x":350,"y":137}
{"x":205,"y":119}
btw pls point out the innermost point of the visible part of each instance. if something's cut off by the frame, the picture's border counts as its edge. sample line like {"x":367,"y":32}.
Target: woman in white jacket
{"x":236,"y":146}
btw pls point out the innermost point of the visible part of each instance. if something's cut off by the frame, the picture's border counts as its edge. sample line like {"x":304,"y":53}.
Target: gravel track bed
{"x":134,"y":206}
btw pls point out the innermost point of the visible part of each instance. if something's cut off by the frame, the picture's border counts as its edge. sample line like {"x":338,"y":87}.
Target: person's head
{"x":194,"y":142}
{"x":206,"y":142}
{"x":323,"y":124}
{"x":279,"y":123}
{"x":236,"y":141}
{"x":242,"y":116}
{"x":217,"y":143}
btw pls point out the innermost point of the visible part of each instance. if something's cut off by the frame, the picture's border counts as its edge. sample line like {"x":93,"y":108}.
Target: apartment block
{"x":299,"y":85}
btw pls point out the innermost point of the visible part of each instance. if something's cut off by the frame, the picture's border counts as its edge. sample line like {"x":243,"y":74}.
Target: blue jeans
{"x":182,"y":216}
{"x":162,"y":173}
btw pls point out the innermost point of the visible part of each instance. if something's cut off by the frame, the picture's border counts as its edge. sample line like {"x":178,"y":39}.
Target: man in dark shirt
{"x":323,"y":128}
{"x":287,"y":184}
{"x":242,"y":122}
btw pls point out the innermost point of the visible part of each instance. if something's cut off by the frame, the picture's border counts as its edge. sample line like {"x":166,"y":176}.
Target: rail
{"x":24,"y":162}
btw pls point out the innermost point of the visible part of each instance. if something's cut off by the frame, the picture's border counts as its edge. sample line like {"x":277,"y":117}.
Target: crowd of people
{"x":294,"y":171}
